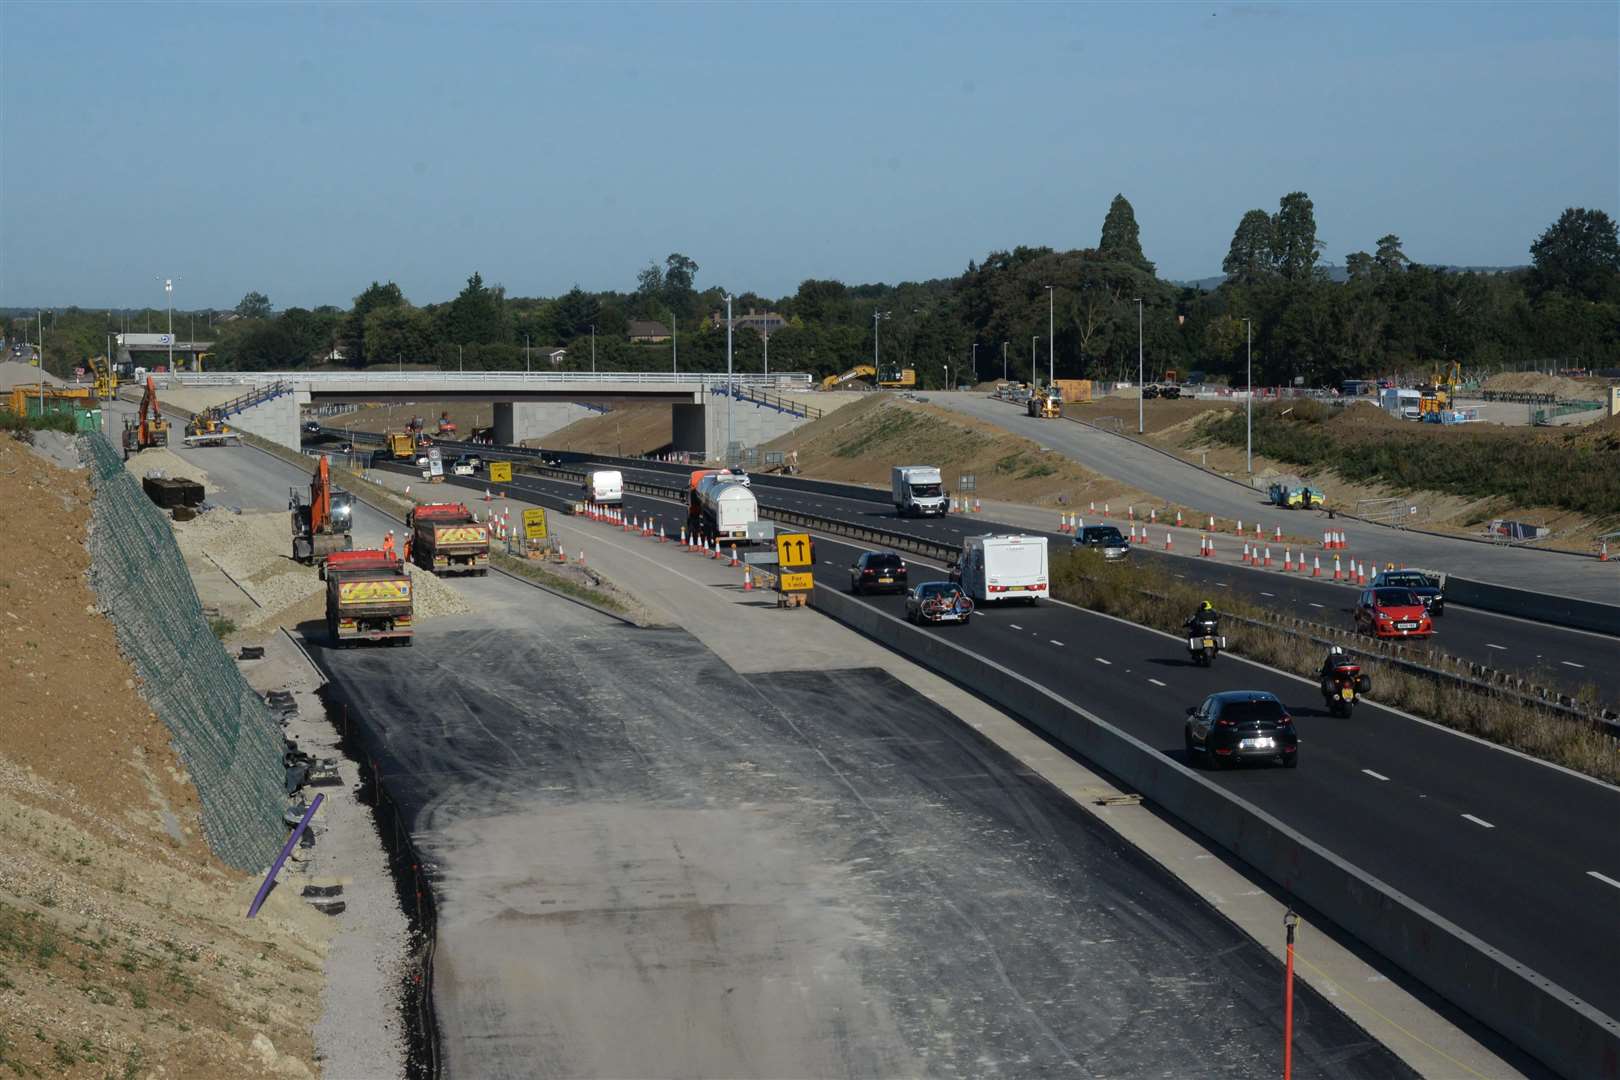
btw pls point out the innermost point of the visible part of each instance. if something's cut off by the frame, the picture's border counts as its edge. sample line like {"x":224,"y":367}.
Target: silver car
{"x":1104,"y":538}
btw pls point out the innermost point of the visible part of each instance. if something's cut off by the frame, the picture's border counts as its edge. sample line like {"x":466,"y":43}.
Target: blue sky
{"x":305,"y":150}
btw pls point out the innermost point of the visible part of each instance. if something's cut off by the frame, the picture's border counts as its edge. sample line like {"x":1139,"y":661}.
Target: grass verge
{"x":1149,"y":597}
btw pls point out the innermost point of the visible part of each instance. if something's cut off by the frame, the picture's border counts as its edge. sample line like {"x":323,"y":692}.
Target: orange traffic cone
{"x":1338,"y":571}
{"x":975,"y":504}
{"x":1288,"y":561}
{"x":1245,"y":558}
{"x":748,"y":578}
{"x":1167,"y":539}
{"x":734,"y":561}
{"x":1316,"y":566}
{"x":1268,"y":555}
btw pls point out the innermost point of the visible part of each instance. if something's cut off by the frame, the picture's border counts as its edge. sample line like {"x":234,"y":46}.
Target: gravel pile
{"x":434,"y":597}
{"x":162,"y":462}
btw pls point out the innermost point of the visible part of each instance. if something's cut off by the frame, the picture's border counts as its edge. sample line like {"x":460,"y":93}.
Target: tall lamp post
{"x":1033,"y":378}
{"x":730,"y":390}
{"x":975,"y":361}
{"x":168,"y":298}
{"x":1248,"y":328}
{"x":593,"y":348}
{"x":1141,"y":402}
{"x":526,"y":370}
{"x":876,"y":315}
{"x":1051,"y":302}
{"x":767,"y":327}
{"x":674,"y":345}
{"x":1003,"y":361}
{"x":947,"y":368}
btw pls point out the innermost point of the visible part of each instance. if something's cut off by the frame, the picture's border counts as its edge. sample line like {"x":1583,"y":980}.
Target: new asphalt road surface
{"x":1520,"y":853}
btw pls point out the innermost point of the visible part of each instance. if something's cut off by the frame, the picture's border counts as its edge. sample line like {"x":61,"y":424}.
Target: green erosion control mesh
{"x":224,"y":733}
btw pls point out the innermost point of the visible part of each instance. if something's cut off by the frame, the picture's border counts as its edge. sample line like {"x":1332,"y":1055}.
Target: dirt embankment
{"x":625,"y":430}
{"x":1535,"y":382}
{"x":123,"y":947}
{"x":861,"y":442}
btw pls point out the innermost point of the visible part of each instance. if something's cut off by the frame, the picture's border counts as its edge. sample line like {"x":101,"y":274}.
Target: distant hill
{"x":1339,"y":274}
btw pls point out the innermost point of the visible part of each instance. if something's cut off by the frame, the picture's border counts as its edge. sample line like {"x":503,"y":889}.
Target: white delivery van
{"x":996,"y":568}
{"x":918,"y":489}
{"x":604,"y":486}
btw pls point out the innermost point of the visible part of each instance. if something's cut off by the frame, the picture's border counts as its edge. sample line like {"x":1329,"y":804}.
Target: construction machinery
{"x":891,"y":378}
{"x":320,"y":525}
{"x":207,"y":429}
{"x":368,"y":598}
{"x":1045,"y":403}
{"x":106,"y":378}
{"x":447,"y":539}
{"x":400,"y":445}
{"x":150,"y":429}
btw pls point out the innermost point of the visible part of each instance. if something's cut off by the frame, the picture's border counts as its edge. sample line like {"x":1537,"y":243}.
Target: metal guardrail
{"x":779,"y":402}
{"x":427,"y":379}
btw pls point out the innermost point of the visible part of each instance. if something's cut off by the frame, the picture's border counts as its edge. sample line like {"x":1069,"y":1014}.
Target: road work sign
{"x":797,"y":582}
{"x":534,"y":521}
{"x":500,"y":472}
{"x":793,"y":549}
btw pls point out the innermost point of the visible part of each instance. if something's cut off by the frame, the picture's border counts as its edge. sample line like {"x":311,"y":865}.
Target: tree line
{"x":1388,"y":314}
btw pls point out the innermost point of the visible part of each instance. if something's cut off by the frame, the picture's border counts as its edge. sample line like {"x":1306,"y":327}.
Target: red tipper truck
{"x":368,"y":598}
{"x":447,"y":539}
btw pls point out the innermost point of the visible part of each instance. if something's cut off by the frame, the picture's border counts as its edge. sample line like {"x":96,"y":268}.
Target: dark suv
{"x":1422,"y":585}
{"x":1104,"y":538}
{"x":1241,"y":725}
{"x":878,"y":571}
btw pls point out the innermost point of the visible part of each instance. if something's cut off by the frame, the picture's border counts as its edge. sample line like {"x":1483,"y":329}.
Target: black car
{"x":1104,"y":538}
{"x":1417,"y":582}
{"x":878,"y":571}
{"x":1241,"y":725}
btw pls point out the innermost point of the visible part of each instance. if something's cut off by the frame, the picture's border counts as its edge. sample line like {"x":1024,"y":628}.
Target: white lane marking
{"x":1488,"y":645}
{"x":1223,"y":585}
{"x":1270,"y":594}
{"x":1154,"y":681}
{"x":1375,"y":775}
{"x":1571,"y":663}
{"x":1481,"y":822}
{"x":1055,"y":641}
{"x":1015,"y":626}
{"x":1606,"y":879}
{"x":1100,"y":660}
{"x":1315,"y":604}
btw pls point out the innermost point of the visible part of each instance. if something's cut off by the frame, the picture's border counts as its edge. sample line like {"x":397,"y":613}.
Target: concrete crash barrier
{"x":1538,"y":606}
{"x":1562,"y":1031}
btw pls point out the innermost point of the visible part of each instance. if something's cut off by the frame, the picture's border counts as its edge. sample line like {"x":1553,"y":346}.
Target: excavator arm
{"x":320,"y":498}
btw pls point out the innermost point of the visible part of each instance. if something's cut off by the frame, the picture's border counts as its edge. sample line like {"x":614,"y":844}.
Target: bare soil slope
{"x":123,"y":950}
{"x":626,"y":430}
{"x":862,"y":441}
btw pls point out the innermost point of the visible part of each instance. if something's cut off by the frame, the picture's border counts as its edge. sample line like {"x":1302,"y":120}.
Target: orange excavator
{"x":151,"y":430}
{"x":321,"y":525}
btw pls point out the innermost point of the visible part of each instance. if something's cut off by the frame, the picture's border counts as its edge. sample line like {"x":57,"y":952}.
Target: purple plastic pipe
{"x":275,"y":868}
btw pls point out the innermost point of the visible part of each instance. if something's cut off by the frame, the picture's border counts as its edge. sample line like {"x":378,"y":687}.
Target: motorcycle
{"x":1203,"y":643}
{"x":1344,"y":687}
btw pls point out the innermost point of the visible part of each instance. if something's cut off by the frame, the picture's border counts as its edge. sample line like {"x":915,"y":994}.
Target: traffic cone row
{"x":1333,"y":541}
{"x":1063,"y":523}
{"x":1206,"y":546}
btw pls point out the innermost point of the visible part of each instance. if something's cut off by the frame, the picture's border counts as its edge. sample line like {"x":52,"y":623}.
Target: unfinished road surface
{"x":647,"y":864}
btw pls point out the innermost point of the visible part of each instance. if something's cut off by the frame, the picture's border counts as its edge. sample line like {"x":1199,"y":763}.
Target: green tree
{"x":1249,"y":260}
{"x":1359,"y":266}
{"x":1389,"y":257}
{"x":255,"y":305}
{"x":399,"y":333}
{"x":477,"y":315}
{"x":575,"y":313}
{"x":1579,"y":253}
{"x":1294,"y":247}
{"x":680,"y":273}
{"x":353,"y":335}
{"x":1121,"y":239}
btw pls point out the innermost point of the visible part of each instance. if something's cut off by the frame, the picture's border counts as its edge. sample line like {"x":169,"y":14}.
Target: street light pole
{"x":526,"y":369}
{"x":1034,"y":379}
{"x":975,"y":361}
{"x":459,"y":366}
{"x":1051,"y":364}
{"x":674,"y":345}
{"x":168,"y":296}
{"x":767,"y":345}
{"x":593,"y":348}
{"x":947,"y":368}
{"x":1003,"y":361}
{"x":730,"y":389}
{"x":1141,"y":402}
{"x":1248,"y":326}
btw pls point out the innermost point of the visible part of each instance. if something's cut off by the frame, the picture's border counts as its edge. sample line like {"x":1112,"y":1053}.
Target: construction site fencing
{"x":224,"y":733}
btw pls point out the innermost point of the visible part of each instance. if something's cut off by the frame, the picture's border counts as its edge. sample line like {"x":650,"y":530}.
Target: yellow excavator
{"x":106,"y":378}
{"x":891,"y":379}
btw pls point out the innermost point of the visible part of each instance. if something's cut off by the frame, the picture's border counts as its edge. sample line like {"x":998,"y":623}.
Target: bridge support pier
{"x":517,"y":420}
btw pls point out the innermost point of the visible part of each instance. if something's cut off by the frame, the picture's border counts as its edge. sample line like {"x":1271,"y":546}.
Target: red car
{"x":1393,"y":613}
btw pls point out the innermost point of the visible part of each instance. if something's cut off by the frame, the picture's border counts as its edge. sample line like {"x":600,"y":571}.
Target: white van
{"x":996,"y":568}
{"x":604,"y":486}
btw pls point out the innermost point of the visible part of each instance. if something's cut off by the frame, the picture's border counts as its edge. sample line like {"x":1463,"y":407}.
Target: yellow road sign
{"x":797,"y":582}
{"x":793,"y":549}
{"x":534,"y":524}
{"x":500,"y":472}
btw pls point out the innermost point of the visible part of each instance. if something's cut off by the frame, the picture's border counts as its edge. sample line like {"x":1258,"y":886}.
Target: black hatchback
{"x":878,"y":571}
{"x":1241,"y":725}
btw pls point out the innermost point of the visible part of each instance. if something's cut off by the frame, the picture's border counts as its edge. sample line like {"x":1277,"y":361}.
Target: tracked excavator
{"x":321,"y":525}
{"x":151,"y":429}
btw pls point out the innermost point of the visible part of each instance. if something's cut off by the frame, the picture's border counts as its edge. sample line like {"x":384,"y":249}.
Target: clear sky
{"x":303,"y":150}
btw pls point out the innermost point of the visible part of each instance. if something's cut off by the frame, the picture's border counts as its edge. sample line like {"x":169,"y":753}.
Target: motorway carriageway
{"x":1522,"y":854}
{"x":1546,"y":655}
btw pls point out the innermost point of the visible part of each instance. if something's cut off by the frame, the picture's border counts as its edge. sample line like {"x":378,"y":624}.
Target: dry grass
{"x":1147,"y":596}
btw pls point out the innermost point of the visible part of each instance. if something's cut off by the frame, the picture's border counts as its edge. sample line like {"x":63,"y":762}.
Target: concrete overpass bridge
{"x":527,"y":405}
